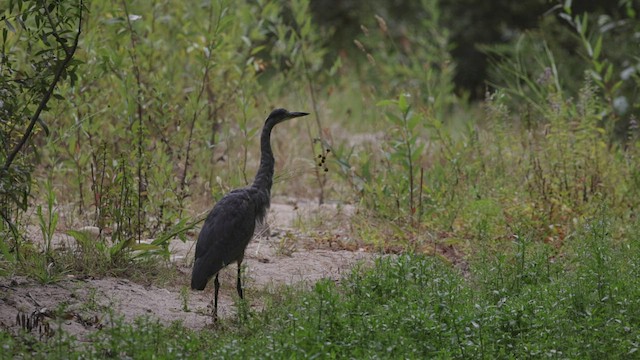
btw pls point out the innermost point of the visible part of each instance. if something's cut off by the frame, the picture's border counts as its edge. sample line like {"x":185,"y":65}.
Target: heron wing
{"x":224,"y":236}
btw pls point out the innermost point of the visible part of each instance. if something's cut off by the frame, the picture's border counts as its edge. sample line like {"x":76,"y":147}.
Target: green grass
{"x":523,"y":303}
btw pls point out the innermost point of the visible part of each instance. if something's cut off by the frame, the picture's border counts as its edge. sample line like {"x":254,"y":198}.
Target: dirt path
{"x":82,"y":305}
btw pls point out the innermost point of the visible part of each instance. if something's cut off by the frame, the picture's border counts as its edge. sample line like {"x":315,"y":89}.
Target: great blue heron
{"x":230,"y":225}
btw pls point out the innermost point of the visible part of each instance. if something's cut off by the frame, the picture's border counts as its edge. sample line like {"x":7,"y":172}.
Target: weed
{"x":286,"y":244}
{"x":92,"y":303}
{"x":48,"y":222}
{"x":184,"y":296}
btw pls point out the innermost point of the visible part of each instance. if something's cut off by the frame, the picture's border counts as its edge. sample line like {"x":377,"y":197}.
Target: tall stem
{"x":320,"y":177}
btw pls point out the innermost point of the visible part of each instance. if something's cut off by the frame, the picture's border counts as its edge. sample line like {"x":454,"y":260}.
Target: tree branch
{"x":54,"y":32}
{"x":69,"y":52}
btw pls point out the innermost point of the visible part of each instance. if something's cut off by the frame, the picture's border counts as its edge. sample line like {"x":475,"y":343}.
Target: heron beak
{"x":297,"y":114}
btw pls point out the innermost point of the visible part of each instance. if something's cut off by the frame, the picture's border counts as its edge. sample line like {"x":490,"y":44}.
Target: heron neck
{"x":264,"y":177}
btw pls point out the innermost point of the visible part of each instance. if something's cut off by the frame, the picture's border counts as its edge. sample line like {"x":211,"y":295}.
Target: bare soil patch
{"x":82,"y":305}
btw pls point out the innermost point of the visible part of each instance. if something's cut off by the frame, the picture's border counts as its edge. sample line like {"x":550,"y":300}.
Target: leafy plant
{"x":405,"y":60}
{"x":612,"y":70}
{"x":49,"y":221}
{"x":294,"y":46}
{"x":406,"y":150}
{"x":39,"y":42}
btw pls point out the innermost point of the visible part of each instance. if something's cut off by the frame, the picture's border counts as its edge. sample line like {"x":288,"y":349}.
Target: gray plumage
{"x":230,"y":225}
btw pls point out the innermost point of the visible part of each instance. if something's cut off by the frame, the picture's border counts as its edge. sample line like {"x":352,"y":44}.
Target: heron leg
{"x":216,"y":287}
{"x":239,"y":283}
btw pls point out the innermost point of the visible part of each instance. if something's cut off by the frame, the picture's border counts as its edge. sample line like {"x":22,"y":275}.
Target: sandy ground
{"x":286,"y":256}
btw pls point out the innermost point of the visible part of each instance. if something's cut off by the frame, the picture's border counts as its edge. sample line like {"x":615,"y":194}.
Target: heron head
{"x":279,"y":115}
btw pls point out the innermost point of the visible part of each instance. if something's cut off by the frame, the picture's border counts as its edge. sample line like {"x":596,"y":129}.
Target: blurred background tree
{"x":471,"y":23}
{"x":485,"y":33}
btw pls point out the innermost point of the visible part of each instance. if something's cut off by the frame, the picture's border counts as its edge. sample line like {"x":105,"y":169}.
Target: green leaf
{"x":403,"y":104}
{"x":616,"y":86}
{"x":584,"y":25}
{"x":631,"y":13}
{"x":567,"y":6}
{"x":9,"y":26}
{"x":336,"y":66}
{"x":306,"y":29}
{"x":117,"y":248}
{"x":44,"y":126}
{"x":566,"y":17}
{"x":386,"y":102}
{"x":413,"y":121}
{"x":257,"y":49}
{"x":598,"y":66}
{"x":75,"y":62}
{"x":83,"y":238}
{"x":609,"y":74}
{"x":145,"y":247}
{"x":417,"y":152}
{"x":396,"y":120}
{"x":597,"y":48}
